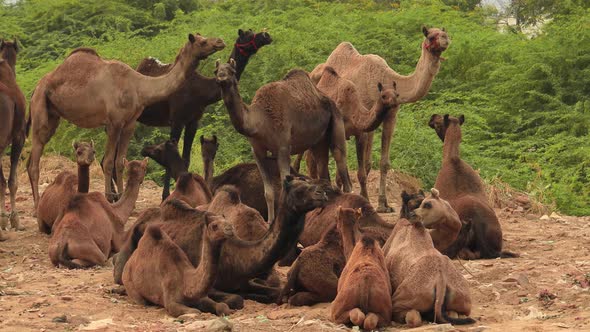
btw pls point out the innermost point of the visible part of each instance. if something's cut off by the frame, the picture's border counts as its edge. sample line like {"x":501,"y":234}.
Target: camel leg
{"x":121,"y":154}
{"x":206,"y":304}
{"x":384,"y":165}
{"x":175,"y":132}
{"x":3,"y":214}
{"x":319,"y":154}
{"x":284,"y":160}
{"x":306,"y":298}
{"x":361,"y":146}
{"x":269,"y":194}
{"x":113,"y":136}
{"x":17,"y":147}
{"x":338,"y":147}
{"x":311,"y":164}
{"x":189,"y":137}
{"x":234,"y":301}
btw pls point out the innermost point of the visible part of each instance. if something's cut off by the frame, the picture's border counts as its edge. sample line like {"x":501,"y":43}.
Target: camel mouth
{"x":147,"y":151}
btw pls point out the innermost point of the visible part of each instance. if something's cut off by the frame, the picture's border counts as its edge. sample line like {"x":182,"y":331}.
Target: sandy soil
{"x":546,"y":289}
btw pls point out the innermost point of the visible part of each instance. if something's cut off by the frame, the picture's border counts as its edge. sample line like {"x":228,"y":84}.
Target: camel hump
{"x":155,"y":232}
{"x":76,"y":202}
{"x":233,"y":193}
{"x":346,"y":48}
{"x":295,"y":74}
{"x":84,"y":50}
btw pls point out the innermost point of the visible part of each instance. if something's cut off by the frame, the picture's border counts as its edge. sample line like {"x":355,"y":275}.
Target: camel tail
{"x":291,"y":279}
{"x":28,"y":124}
{"x":440,"y":304}
{"x":509,"y":254}
{"x":65,"y":259}
{"x":364,"y":300}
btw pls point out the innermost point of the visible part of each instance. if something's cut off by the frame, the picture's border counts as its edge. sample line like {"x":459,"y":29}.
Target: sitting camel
{"x":462,"y":187}
{"x":286,"y":117}
{"x":364,"y":290}
{"x":59,"y":193}
{"x":423,"y":280}
{"x":91,"y":92}
{"x":91,"y":229}
{"x":159,"y":271}
{"x":12,"y":130}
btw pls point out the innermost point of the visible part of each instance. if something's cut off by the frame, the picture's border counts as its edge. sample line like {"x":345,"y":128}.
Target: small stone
{"x":523,"y":280}
{"x":531,"y":216}
{"x":555,"y":216}
{"x":510,"y":279}
{"x":60,"y":319}
{"x":545,"y":217}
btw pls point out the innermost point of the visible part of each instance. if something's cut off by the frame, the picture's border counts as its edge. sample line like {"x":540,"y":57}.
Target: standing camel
{"x":12,"y":129}
{"x":286,"y":117}
{"x":91,"y":92}
{"x":367,"y":70}
{"x":184,"y":107}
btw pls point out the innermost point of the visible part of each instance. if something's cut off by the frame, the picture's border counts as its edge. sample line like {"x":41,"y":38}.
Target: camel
{"x":364,"y":290}
{"x":190,"y":187}
{"x":241,"y":261}
{"x":365,"y":71}
{"x":313,"y":277}
{"x":286,"y":117}
{"x":59,"y":193}
{"x":160,"y":272}
{"x":91,"y":92}
{"x":357,"y":118}
{"x":209,"y":148}
{"x":12,"y":130}
{"x":462,"y":187}
{"x":424,"y":281}
{"x":184,"y":107}
{"x":91,"y":229}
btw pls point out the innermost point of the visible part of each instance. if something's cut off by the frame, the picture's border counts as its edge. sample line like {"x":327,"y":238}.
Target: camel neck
{"x":452,"y":142}
{"x":416,"y":85}
{"x":83,"y":178}
{"x":208,"y":166}
{"x":374,"y":118}
{"x":238,"y":111}
{"x":126,"y":203}
{"x":177,"y":166}
{"x":347,"y":234}
{"x":10,"y":58}
{"x":198,"y":280}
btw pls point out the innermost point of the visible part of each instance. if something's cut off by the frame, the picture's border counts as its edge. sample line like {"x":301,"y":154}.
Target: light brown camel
{"x":91,"y":92}
{"x":286,"y":117}
{"x":184,"y":108}
{"x":159,"y":272}
{"x":357,"y":118}
{"x":91,"y":229}
{"x":463,"y":188}
{"x":424,"y":281}
{"x":12,"y":130}
{"x":58,"y":194}
{"x":365,"y":71}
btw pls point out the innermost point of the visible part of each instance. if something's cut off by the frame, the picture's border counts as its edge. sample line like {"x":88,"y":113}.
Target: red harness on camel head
{"x":242,"y":47}
{"x":433,"y":46}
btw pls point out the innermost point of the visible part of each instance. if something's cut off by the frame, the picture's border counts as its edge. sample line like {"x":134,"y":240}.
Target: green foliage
{"x":526,"y":101}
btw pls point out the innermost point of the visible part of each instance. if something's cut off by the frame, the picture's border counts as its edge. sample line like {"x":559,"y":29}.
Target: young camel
{"x":423,"y":280}
{"x":59,"y":193}
{"x":184,"y":107}
{"x":159,"y":271}
{"x":91,"y":229}
{"x":91,"y":92}
{"x":462,"y":187}
{"x":286,"y":117}
{"x":365,"y":71}
{"x":357,"y":118}
{"x":12,"y":130}
{"x":364,"y":291}
{"x":209,"y":148}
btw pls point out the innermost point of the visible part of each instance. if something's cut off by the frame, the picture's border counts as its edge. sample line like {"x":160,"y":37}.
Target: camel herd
{"x":215,"y":240}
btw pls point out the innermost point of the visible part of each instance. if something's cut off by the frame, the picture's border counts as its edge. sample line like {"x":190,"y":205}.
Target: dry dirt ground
{"x":546,"y":289}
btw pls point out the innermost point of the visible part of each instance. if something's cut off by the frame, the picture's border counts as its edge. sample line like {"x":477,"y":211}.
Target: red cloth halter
{"x":241,"y":47}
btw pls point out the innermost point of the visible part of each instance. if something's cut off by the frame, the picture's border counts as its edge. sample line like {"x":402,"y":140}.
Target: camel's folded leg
{"x":234,"y":301}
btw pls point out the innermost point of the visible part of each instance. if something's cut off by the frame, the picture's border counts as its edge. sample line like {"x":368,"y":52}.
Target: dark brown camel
{"x":286,"y":117}
{"x":462,"y":187}
{"x":184,"y":108}
{"x":91,"y":92}
{"x":58,"y":194}
{"x":12,"y":130}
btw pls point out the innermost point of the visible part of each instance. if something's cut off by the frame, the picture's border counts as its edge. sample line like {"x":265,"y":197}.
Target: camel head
{"x":437,"y":40}
{"x":440,"y":123}
{"x":303,"y":196}
{"x":84,"y":153}
{"x":162,"y":152}
{"x":209,"y":147}
{"x":218,"y":228}
{"x":136,"y":169}
{"x":410,"y":202}
{"x":9,"y":48}
{"x":249,"y":42}
{"x":225,"y":73}
{"x":433,"y":210}
{"x":201,"y":47}
{"x":347,"y":217}
{"x":388,"y":95}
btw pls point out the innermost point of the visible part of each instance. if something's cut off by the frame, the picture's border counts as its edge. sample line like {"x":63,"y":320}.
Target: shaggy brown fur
{"x":184,"y":107}
{"x":423,"y":280}
{"x":364,"y":291}
{"x":12,"y":130}
{"x":59,"y":193}
{"x":366,"y":70}
{"x":286,"y":117}
{"x":462,"y":187}
{"x":91,"y":92}
{"x":159,"y":271}
{"x":91,"y":229}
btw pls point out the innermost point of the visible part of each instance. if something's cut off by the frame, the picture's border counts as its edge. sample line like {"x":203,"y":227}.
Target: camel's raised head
{"x":84,"y":153}
{"x":218,"y":228}
{"x":433,"y":210}
{"x":136,"y":169}
{"x":225,"y":73}
{"x":389,"y":95}
{"x":249,"y":42}
{"x":303,"y":196}
{"x":201,"y":47}
{"x":9,"y":47}
{"x":437,"y":40}
{"x":441,"y":123}
{"x":410,"y":202}
{"x":161,"y":153}
{"x":209,"y":147}
{"x":348,"y":215}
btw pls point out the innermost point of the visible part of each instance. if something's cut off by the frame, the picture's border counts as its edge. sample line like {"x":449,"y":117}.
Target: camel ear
{"x":144,"y":162}
{"x":240,"y":32}
{"x":359,"y":213}
{"x":461,"y":119}
{"x":16,"y":45}
{"x":215,"y":140}
{"x":191,"y":38}
{"x":425,"y":31}
{"x":380,"y":86}
{"x":217,"y":62}
{"x":92,"y":143}
{"x":433,"y":119}
{"x":232,"y":62}
{"x":421,"y":192}
{"x":443,"y":29}
{"x":434,"y":192}
{"x":1,"y":43}
{"x":75,"y":145}
{"x":446,"y":120}
{"x":202,"y":139}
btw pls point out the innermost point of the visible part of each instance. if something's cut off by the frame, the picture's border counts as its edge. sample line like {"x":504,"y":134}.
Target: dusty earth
{"x":546,"y":289}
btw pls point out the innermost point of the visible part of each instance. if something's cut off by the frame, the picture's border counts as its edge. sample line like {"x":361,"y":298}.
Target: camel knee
{"x":384,"y":165}
{"x":361,"y":175}
{"x":357,"y":317}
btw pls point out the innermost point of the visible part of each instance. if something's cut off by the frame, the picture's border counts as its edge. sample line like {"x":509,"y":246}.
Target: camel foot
{"x":413,"y":318}
{"x":371,"y":322}
{"x":385,"y":209}
{"x":222,"y":309}
{"x":15,"y":222}
{"x":357,"y":317}
{"x":112,"y":197}
{"x":4,"y":220}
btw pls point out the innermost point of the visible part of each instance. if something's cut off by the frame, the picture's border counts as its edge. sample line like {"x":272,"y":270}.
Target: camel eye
{"x":427,"y":205}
